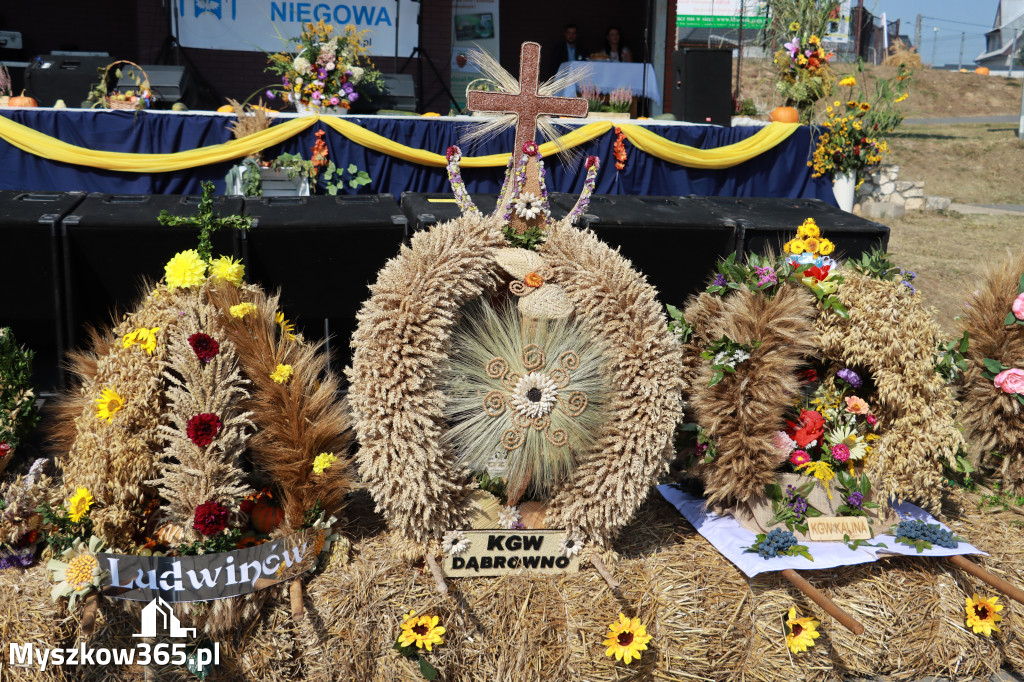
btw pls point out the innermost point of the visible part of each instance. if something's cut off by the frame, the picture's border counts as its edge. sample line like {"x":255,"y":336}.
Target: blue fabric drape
{"x":780,"y":172}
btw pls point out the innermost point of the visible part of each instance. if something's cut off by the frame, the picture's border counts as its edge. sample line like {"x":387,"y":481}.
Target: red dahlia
{"x":203,"y":428}
{"x":204,"y":345}
{"x":211,"y":518}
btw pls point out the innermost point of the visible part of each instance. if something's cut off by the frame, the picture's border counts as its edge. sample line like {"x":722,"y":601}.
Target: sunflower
{"x":78,"y":505}
{"x":800,"y":632}
{"x":287,"y":328}
{"x":794,"y":246}
{"x":143,"y":336}
{"x":826,"y":247}
{"x":812,"y":244}
{"x":808,"y":228}
{"x":849,"y":81}
{"x":77,"y":571}
{"x":108,"y":404}
{"x":983,"y":614}
{"x":626,"y":639}
{"x":864,"y":106}
{"x":242,"y":309}
{"x":421,"y":632}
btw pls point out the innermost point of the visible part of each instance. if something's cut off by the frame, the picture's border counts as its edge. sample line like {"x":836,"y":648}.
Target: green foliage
{"x":530,"y":239}
{"x":1010,"y":317}
{"x":884,"y":117}
{"x":495,"y":486}
{"x":312,"y":514}
{"x":724,"y":354}
{"x":875,"y":263}
{"x":950,"y":362}
{"x":854,"y":544}
{"x":18,"y":413}
{"x":999,"y":499}
{"x":747,"y":107}
{"x":428,"y":671}
{"x":334,"y":179}
{"x":758,"y":273}
{"x":225,"y":541}
{"x":679,"y":327}
{"x":783,"y":513}
{"x":848,"y":484}
{"x":207,"y":222}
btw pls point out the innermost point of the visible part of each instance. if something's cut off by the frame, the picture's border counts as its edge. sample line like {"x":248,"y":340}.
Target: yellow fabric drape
{"x":33,"y":142}
{"x":37,"y":143}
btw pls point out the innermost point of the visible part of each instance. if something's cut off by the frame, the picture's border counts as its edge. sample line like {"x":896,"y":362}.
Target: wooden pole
{"x":295,"y":592}
{"x":824,"y":602}
{"x":980,"y":573}
{"x":92,"y":607}
{"x":605,"y":573}
{"x":439,"y":582}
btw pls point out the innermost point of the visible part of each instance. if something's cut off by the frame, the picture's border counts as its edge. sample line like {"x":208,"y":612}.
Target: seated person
{"x":568,"y":50}
{"x":614,"y":49}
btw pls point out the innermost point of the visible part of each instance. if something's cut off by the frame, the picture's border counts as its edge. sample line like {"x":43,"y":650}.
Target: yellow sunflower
{"x":287,"y":328}
{"x":808,"y":228}
{"x":78,"y":505}
{"x":800,"y":632}
{"x":983,"y":614}
{"x":108,"y":404}
{"x":227,"y":269}
{"x":143,"y":336}
{"x":794,"y":246}
{"x":864,"y":106}
{"x":626,"y":639}
{"x":812,"y":244}
{"x":282,"y":374}
{"x":826,"y":247}
{"x":849,"y":81}
{"x":421,"y":632}
{"x":185,"y":269}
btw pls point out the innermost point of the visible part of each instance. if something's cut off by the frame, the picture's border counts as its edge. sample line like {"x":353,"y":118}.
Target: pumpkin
{"x":266,"y":516}
{"x":982,"y":71}
{"x":785,"y":115}
{"x":21,"y":101}
{"x":225,"y":109}
{"x":4,"y":100}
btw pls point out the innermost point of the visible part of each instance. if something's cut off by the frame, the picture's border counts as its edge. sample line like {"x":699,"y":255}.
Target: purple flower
{"x":321,"y":73}
{"x":353,"y":96}
{"x":287,"y":83}
{"x":910,"y":286}
{"x":854,"y":500}
{"x":518,"y":525}
{"x":347,"y":87}
{"x":270,"y":94}
{"x":767,"y":276}
{"x":850,"y":377}
{"x":793,"y":47}
{"x":719,"y":280}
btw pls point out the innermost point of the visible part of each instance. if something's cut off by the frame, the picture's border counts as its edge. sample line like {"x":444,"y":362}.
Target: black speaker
{"x":323,"y":252}
{"x":114,"y":242}
{"x":423,"y":210}
{"x":169,"y":84}
{"x":49,"y":78}
{"x":674,"y":241}
{"x":765,"y":224}
{"x":702,"y":90}
{"x":34,"y":304}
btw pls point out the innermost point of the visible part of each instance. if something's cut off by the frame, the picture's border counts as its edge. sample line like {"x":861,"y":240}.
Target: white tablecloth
{"x":610,"y":75}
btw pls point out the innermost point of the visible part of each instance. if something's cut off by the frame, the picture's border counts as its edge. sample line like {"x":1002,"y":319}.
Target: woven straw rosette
{"x":555,"y":361}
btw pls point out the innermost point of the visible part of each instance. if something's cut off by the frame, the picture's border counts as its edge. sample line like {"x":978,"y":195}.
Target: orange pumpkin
{"x":785,"y":115}
{"x":21,"y":101}
{"x":982,"y":71}
{"x":225,"y":109}
{"x":266,"y":516}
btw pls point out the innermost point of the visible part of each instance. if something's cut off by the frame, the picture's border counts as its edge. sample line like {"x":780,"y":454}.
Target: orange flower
{"x":319,"y":151}
{"x":619,"y":148}
{"x":856,"y":405}
{"x":533,"y":280}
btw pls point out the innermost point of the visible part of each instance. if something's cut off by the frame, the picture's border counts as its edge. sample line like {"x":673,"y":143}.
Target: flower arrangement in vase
{"x":321,"y":71}
{"x":804,"y":74}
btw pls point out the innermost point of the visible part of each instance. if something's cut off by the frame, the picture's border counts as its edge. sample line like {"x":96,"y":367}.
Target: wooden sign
{"x":504,"y":552}
{"x":833,"y":528}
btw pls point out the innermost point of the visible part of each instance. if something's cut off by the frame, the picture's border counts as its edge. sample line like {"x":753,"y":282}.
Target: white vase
{"x":844,"y":186}
{"x":309,"y":110}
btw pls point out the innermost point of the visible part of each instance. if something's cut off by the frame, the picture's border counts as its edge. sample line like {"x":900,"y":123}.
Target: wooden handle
{"x":92,"y":607}
{"x":980,"y":573}
{"x":603,"y":570}
{"x":439,"y":582}
{"x":295,"y":591}
{"x":824,"y":602}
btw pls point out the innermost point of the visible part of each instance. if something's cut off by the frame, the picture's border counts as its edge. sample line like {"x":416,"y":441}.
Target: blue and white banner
{"x":264,"y":25}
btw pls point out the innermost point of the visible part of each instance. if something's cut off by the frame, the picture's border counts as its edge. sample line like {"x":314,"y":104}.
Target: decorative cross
{"x":528,"y":105}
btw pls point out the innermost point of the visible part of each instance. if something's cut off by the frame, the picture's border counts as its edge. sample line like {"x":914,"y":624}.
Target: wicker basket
{"x":120,"y":104}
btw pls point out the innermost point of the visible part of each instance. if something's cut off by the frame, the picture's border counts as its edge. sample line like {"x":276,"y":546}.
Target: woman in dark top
{"x":614,"y":48}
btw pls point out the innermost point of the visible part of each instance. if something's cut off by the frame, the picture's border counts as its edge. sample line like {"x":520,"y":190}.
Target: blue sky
{"x":951,"y":17}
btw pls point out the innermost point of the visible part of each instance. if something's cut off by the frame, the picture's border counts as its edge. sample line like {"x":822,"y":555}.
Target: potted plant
{"x":615,"y":105}
{"x":321,"y":73}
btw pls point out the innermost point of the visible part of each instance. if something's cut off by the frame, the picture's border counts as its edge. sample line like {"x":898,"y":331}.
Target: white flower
{"x":847,"y":435}
{"x":509,"y":517}
{"x":570,"y":546}
{"x":330,"y":66}
{"x":528,"y":206}
{"x":301,"y":64}
{"x":534,"y":395}
{"x":454,"y":542}
{"x":357,"y":74}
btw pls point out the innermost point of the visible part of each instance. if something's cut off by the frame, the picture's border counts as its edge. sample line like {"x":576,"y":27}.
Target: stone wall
{"x":884,"y":195}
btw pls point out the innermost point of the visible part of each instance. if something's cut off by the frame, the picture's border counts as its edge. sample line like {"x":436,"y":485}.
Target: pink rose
{"x":784,"y":445}
{"x":1018,"y":307}
{"x":1010,"y":381}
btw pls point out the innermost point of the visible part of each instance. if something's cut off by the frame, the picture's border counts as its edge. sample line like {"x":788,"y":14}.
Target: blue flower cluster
{"x":776,"y":542}
{"x":929,"y":532}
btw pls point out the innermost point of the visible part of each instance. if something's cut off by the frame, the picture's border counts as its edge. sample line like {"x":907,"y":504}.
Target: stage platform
{"x":780,"y":171}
